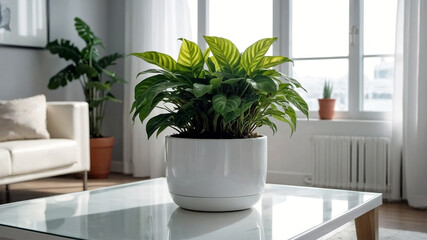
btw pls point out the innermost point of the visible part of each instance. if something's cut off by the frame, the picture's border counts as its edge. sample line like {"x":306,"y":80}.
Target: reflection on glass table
{"x":185,"y":224}
{"x":144,"y":210}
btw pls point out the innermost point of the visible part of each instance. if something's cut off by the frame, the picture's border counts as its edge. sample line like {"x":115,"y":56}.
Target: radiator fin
{"x":357,"y":163}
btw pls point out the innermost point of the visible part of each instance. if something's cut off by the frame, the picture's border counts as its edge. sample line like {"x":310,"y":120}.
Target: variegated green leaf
{"x":190,"y":56}
{"x":255,"y":53}
{"x":160,"y":59}
{"x":271,"y":61}
{"x":225,"y":52}
{"x":206,"y":54}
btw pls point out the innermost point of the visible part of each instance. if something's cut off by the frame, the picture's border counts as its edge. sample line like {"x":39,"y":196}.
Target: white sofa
{"x":67,"y":150}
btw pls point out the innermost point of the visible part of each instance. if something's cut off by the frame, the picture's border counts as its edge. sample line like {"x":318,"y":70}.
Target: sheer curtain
{"x":151,"y":25}
{"x":409,"y":138}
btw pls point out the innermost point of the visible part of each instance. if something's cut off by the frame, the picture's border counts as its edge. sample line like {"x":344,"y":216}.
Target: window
{"x":251,"y":22}
{"x":378,"y":59}
{"x":347,"y":42}
{"x":319,"y":48}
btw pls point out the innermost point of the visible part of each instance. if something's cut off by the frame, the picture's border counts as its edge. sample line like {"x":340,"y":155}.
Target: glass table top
{"x":145,"y":210}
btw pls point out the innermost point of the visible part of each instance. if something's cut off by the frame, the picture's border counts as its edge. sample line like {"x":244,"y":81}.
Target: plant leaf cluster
{"x":327,"y":89}
{"x":220,"y":93}
{"x":89,"y":69}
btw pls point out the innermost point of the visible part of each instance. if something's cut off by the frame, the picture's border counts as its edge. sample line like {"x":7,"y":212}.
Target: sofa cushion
{"x":5,"y":164}
{"x":23,"y":119}
{"x":29,"y":156}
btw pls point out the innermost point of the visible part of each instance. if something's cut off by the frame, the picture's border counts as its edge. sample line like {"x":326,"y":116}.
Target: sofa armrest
{"x":70,"y":120}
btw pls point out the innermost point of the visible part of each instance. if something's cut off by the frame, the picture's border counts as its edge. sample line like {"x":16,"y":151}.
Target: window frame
{"x":282,"y":24}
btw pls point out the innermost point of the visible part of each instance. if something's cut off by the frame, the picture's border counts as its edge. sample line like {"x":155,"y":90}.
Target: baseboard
{"x":288,"y":178}
{"x":116,"y":166}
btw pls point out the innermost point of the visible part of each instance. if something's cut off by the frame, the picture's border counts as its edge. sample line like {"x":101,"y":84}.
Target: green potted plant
{"x":216,"y":161}
{"x":96,"y":81}
{"x":327,"y":104}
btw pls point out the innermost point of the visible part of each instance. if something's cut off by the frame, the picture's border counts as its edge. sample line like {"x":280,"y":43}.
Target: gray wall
{"x":25,"y":72}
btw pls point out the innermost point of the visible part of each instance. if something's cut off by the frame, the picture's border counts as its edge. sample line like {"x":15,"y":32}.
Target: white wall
{"x":25,"y":72}
{"x":290,"y":159}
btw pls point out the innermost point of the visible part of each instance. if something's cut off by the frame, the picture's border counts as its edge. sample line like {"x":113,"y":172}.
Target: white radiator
{"x":356,"y":163}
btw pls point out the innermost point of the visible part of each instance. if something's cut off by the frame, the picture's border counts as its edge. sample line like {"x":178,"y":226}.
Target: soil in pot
{"x":326,"y":108}
{"x":101,"y":150}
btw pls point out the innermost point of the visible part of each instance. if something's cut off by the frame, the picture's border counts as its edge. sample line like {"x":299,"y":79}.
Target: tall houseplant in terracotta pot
{"x":215,"y":101}
{"x":327,"y":104}
{"x":91,"y":72}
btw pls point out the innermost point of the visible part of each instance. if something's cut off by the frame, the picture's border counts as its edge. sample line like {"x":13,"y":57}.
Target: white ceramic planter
{"x":216,"y":174}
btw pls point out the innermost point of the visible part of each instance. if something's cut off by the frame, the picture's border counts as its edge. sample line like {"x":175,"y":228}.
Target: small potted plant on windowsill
{"x":96,"y":81}
{"x":216,"y":161}
{"x":327,"y":104}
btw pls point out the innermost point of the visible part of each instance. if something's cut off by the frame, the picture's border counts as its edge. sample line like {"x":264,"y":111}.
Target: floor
{"x":391,"y":215}
{"x":59,"y":185}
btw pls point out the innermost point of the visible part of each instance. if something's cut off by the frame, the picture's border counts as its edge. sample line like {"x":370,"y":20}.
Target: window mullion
{"x":355,"y":58}
{"x":282,"y":29}
{"x":203,"y":22}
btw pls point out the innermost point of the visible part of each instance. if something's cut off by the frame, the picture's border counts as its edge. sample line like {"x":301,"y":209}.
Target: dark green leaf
{"x":264,"y":83}
{"x":215,"y":82}
{"x":109,"y":60}
{"x":200,"y":89}
{"x":268,"y":122}
{"x":65,"y":49}
{"x":153,"y":91}
{"x":90,"y":52}
{"x":230,"y":116}
{"x":98,"y":85}
{"x":182,"y":117}
{"x":232,"y":81}
{"x":86,"y":69}
{"x":294,"y":98}
{"x":86,"y":33}
{"x":147,"y":99}
{"x":64,"y":76}
{"x":292,"y":115}
{"x":143,"y":107}
{"x":142,"y":86}
{"x":163,"y":127}
{"x":156,"y":122}
{"x":94,"y":103}
{"x":292,"y":81}
{"x":223,"y":105}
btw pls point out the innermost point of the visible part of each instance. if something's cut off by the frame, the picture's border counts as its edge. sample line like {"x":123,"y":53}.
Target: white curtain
{"x":151,"y":25}
{"x":409,"y":138}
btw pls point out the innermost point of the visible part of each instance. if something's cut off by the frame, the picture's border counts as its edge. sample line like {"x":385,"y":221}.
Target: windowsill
{"x":359,"y":117}
{"x":343,"y":120}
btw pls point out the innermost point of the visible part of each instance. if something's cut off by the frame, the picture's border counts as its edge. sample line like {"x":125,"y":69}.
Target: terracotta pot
{"x":326,"y":108}
{"x":101,"y":150}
